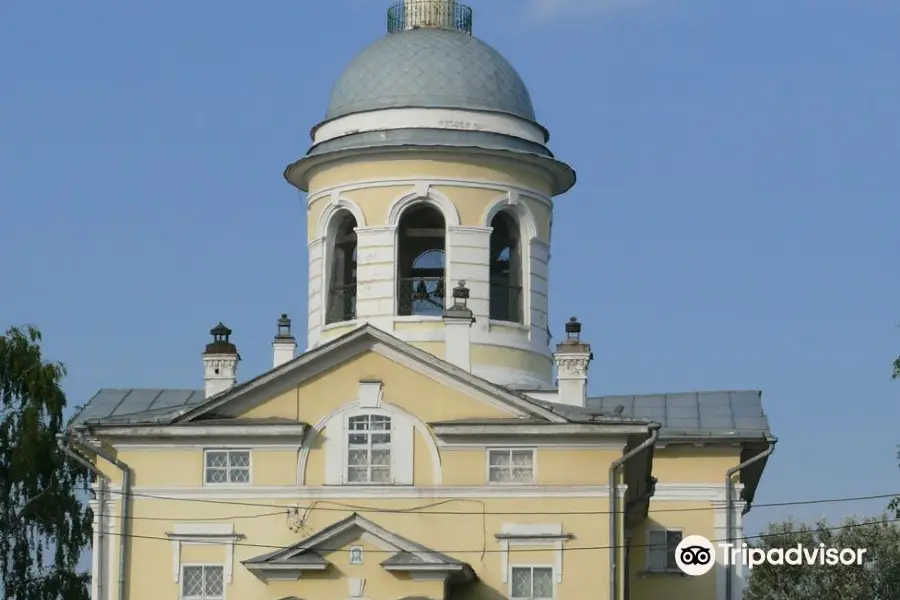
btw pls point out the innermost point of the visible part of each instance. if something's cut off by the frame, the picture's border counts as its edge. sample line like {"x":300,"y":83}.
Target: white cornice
{"x":429,"y":118}
{"x":554,"y":429}
{"x":301,"y":493}
{"x":504,"y":188}
{"x":168,"y":432}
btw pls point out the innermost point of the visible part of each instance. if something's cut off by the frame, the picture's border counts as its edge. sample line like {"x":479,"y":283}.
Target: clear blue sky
{"x":734,"y":224}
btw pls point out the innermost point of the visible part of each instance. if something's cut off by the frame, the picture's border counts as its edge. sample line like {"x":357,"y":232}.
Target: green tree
{"x":877,"y":579}
{"x":45,"y":527}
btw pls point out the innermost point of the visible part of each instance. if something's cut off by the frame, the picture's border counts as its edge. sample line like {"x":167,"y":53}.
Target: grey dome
{"x":430,"y":68}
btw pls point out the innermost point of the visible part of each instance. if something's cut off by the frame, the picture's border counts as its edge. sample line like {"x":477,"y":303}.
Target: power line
{"x":344,"y":507}
{"x":511,"y":549}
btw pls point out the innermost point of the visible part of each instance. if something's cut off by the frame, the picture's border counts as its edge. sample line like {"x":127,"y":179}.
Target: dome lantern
{"x":430,"y":14}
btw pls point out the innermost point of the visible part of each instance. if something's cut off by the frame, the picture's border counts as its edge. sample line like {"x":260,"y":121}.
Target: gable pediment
{"x":403,"y":360}
{"x":312,"y":554}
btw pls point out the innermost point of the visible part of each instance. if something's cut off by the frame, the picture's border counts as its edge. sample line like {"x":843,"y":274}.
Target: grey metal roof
{"x":430,"y":68}
{"x":141,"y":405}
{"x":430,"y":137}
{"x":734,"y":413}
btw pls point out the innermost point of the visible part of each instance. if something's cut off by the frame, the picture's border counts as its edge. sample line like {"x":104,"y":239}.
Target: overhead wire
{"x":345,"y":507}
{"x":511,"y":549}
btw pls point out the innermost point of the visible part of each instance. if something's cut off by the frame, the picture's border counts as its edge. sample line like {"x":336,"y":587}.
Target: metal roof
{"x":714,"y":413}
{"x":137,"y":405}
{"x":430,"y":68}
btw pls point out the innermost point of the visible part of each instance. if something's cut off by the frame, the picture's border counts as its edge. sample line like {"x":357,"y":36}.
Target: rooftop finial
{"x":430,"y":14}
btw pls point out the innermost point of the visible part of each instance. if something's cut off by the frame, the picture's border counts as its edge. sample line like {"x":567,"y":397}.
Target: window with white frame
{"x":227,"y":466}
{"x":202,"y":582}
{"x":369,"y":449}
{"x":661,"y":547}
{"x":511,"y":466}
{"x":531,"y":583}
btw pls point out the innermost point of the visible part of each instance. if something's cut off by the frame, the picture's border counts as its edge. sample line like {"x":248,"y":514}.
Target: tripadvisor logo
{"x":696,"y":555}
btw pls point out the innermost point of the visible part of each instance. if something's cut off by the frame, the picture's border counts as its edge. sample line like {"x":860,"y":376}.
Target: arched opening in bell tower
{"x":506,"y":269}
{"x":342,"y":274}
{"x":421,"y":262}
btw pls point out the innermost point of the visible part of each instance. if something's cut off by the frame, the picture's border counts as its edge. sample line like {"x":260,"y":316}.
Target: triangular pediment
{"x":340,"y":351}
{"x":311,"y":554}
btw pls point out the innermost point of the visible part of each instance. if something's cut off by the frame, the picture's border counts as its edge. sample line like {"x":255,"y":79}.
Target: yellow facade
{"x":450,"y":506}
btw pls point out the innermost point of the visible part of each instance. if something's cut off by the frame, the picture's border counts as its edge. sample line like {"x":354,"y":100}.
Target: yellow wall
{"x":259,"y":511}
{"x":471,"y":202}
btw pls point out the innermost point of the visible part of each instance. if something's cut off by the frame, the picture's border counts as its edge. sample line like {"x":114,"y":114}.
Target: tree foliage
{"x":45,"y":527}
{"x":877,"y":579}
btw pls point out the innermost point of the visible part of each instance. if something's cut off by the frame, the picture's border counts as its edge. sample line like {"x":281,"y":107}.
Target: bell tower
{"x":430,"y":169}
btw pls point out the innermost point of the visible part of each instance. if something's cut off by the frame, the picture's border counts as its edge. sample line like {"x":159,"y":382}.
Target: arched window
{"x":506,"y":270}
{"x":369,"y":449}
{"x":420,"y":262}
{"x":342,"y":277}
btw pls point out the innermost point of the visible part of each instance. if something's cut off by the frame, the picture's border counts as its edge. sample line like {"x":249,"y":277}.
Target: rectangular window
{"x":531,"y":583}
{"x":511,"y":466}
{"x":369,"y":449}
{"x":227,"y":466}
{"x":202,"y":583}
{"x":661,"y":550}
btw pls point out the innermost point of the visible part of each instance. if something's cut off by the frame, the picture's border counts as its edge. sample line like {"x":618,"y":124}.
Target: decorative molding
{"x":295,"y":493}
{"x":337,"y":204}
{"x":690,"y":492}
{"x":550,"y":534}
{"x":191,"y":432}
{"x":520,"y":212}
{"x":422,"y":193}
{"x":429,"y":118}
{"x":341,"y":412}
{"x":351,"y":186}
{"x":572,"y":366}
{"x":203,"y":533}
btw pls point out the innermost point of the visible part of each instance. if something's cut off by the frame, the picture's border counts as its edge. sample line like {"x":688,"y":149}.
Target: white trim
{"x":546,"y":534}
{"x":692,"y":492}
{"x":550,"y":429}
{"x":374,"y":182}
{"x":228,"y":452}
{"x":418,"y":425}
{"x":553,"y":577}
{"x":389,"y":119}
{"x":203,"y":431}
{"x":422,"y":193}
{"x":296,"y":493}
{"x":201,"y":534}
{"x":509,"y":451}
{"x":521,"y":213}
{"x":573,"y":444}
{"x":337,"y":204}
{"x":200,"y":445}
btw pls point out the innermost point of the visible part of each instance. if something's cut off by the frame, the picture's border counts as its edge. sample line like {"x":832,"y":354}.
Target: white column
{"x":535,"y":302}
{"x":468,"y":259}
{"x":458,"y":345}
{"x":283,"y":351}
{"x":97,"y":505}
{"x":737,"y":587}
{"x":316,"y":299}
{"x":376,"y":273}
{"x":111,"y":548}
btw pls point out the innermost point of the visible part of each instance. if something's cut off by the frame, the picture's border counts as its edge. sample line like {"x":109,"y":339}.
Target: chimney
{"x":220,"y":361}
{"x":458,"y":321}
{"x":572,"y":358}
{"x":284,"y":346}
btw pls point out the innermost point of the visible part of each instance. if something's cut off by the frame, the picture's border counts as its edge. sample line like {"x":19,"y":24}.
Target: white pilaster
{"x":536,"y":302}
{"x":720,"y":534}
{"x":376,"y":273}
{"x":97,"y":505}
{"x":316,"y":299}
{"x":468,"y":259}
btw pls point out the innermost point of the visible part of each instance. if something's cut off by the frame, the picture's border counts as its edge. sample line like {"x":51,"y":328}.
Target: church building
{"x":431,"y":441}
